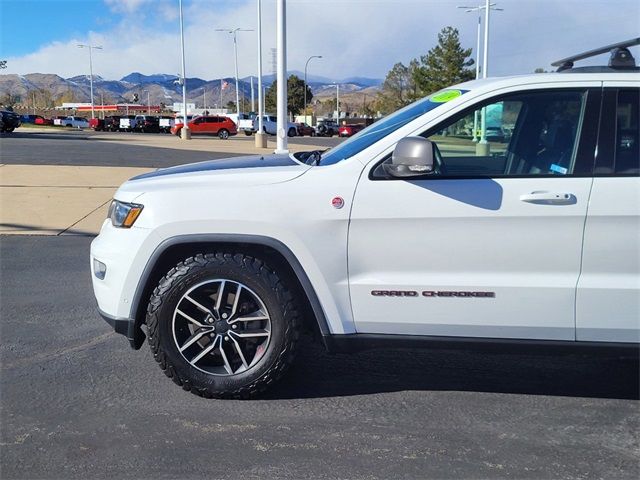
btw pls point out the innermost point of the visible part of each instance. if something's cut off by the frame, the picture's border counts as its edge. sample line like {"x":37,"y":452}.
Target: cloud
{"x":355,"y":37}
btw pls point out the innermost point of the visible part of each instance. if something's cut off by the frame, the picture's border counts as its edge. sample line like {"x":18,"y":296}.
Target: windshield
{"x":387,"y":125}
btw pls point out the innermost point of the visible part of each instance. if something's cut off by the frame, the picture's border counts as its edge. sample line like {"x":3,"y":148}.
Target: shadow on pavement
{"x":318,"y":374}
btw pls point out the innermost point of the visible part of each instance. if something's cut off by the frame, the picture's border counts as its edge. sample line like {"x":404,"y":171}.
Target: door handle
{"x":549,"y":198}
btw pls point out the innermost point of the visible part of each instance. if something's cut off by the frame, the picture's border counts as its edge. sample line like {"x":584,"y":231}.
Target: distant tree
{"x":444,"y":65}
{"x":540,"y":70}
{"x":398,"y":89}
{"x":231,"y":105}
{"x":295,"y":95}
{"x":68,"y":97}
{"x":9,"y":99}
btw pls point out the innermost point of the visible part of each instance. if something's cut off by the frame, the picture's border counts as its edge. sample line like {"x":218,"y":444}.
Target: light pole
{"x":305,"y":84}
{"x":484,"y":149}
{"x":281,"y":43}
{"x":261,"y":138}
{"x":91,"y":47}
{"x":234,"y":32}
{"x":148,"y":102}
{"x":185,"y":133}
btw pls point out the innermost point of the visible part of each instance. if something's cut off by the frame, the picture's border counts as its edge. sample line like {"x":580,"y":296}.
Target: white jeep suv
{"x":421,"y":229}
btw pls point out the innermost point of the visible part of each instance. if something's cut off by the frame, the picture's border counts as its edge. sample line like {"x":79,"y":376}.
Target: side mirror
{"x":412,"y":157}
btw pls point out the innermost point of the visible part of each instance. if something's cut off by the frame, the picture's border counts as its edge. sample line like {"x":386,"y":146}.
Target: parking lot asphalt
{"x":60,"y":181}
{"x":149,"y":150}
{"x":77,"y":402}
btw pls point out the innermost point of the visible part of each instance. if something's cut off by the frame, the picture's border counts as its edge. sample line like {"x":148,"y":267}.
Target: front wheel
{"x":223,"y":134}
{"x":292,"y":132}
{"x":223,"y":325}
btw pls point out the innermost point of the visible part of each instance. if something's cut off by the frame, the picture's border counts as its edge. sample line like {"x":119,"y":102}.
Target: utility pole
{"x":91,"y":47}
{"x":261,"y":138}
{"x":482,"y":149}
{"x":305,"y":86}
{"x":281,"y":43}
{"x":253,"y":103}
{"x":234,"y":32}
{"x":185,"y":133}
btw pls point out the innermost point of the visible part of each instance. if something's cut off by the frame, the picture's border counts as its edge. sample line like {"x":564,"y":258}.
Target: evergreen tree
{"x":444,"y":65}
{"x":295,"y":95}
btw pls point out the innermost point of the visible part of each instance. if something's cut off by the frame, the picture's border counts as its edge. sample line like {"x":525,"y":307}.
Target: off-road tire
{"x":265,"y":282}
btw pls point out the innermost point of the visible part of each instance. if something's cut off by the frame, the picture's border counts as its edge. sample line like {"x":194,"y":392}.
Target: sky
{"x":355,"y":37}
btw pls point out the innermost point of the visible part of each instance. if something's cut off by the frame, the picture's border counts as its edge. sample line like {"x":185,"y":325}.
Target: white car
{"x":410,"y":233}
{"x":75,"y":122}
{"x":270,"y":126}
{"x":128,"y":123}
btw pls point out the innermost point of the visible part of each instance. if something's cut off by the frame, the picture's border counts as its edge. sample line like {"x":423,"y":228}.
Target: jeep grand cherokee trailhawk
{"x":420,"y":229}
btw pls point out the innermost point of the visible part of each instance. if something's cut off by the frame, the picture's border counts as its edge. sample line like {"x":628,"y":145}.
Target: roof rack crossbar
{"x":567,"y":63}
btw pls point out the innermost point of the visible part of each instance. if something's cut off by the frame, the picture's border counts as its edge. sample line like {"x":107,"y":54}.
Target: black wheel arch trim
{"x":134,"y":332}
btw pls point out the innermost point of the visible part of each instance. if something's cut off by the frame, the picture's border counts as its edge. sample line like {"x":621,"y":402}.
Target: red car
{"x":42,"y":121}
{"x":209,"y":124}
{"x":349,"y":130}
{"x":304,"y":129}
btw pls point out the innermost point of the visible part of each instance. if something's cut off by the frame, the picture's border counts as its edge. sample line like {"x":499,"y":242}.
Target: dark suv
{"x":10,"y":121}
{"x":147,"y":124}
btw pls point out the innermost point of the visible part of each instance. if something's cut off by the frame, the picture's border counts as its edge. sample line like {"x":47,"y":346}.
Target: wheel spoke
{"x":199,"y":305}
{"x":239,"y":350}
{"x":191,"y":319}
{"x":227,"y":365}
{"x":235,"y":301}
{"x":251,"y":333}
{"x":249,"y":319}
{"x":194,"y":338}
{"x":220,"y":294}
{"x":205,"y":351}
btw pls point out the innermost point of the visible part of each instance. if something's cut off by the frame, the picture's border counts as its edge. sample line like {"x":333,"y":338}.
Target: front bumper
{"x":126,"y":327}
{"x":125,"y":253}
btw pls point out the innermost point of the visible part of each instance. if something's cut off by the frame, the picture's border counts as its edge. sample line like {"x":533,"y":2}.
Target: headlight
{"x":124,"y":215}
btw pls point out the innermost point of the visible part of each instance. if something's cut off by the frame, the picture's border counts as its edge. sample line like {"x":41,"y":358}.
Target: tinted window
{"x":519,"y":135}
{"x":627,"y":142}
{"x":387,"y":125}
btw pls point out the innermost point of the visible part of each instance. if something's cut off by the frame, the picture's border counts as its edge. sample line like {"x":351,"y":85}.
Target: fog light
{"x":99,"y":269}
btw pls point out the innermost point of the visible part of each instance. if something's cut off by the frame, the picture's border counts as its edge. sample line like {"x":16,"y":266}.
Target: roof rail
{"x":620,"y":56}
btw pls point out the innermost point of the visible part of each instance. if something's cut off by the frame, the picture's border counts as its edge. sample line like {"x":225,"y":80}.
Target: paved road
{"x":84,"y":148}
{"x":78,"y":403}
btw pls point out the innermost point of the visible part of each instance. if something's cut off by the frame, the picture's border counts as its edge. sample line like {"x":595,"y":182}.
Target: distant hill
{"x":161,"y":88}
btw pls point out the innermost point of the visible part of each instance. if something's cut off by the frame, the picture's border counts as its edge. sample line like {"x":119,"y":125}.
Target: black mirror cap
{"x":412,"y":156}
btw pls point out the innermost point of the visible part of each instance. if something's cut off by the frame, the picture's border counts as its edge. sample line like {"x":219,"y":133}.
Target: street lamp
{"x":305,"y":84}
{"x":487,"y":7}
{"x":185,"y":133}
{"x":234,"y":32}
{"x":91,"y":47}
{"x":148,"y":102}
{"x":261,"y":139}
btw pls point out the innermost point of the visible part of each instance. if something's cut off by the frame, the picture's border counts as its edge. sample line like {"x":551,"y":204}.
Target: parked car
{"x":221,"y":126}
{"x":348,"y":130}
{"x":270,"y":125}
{"x":495,"y":134}
{"x":75,"y":122}
{"x":10,"y":121}
{"x":96,"y":124}
{"x":59,"y":120}
{"x":24,"y":119}
{"x":304,"y":130}
{"x":401,"y":237}
{"x":326,"y":128}
{"x":128,"y":123}
{"x":147,"y":124}
{"x":112,"y":123}
{"x":165,"y":123}
{"x":40,"y":120}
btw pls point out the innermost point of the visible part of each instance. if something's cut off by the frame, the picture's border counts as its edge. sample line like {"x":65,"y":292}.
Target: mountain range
{"x":158,"y":88}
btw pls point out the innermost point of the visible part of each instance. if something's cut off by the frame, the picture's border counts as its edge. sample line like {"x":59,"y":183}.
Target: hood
{"x":229,"y":172}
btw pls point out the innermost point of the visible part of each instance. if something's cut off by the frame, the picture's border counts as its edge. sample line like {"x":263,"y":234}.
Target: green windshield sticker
{"x":445,"y":96}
